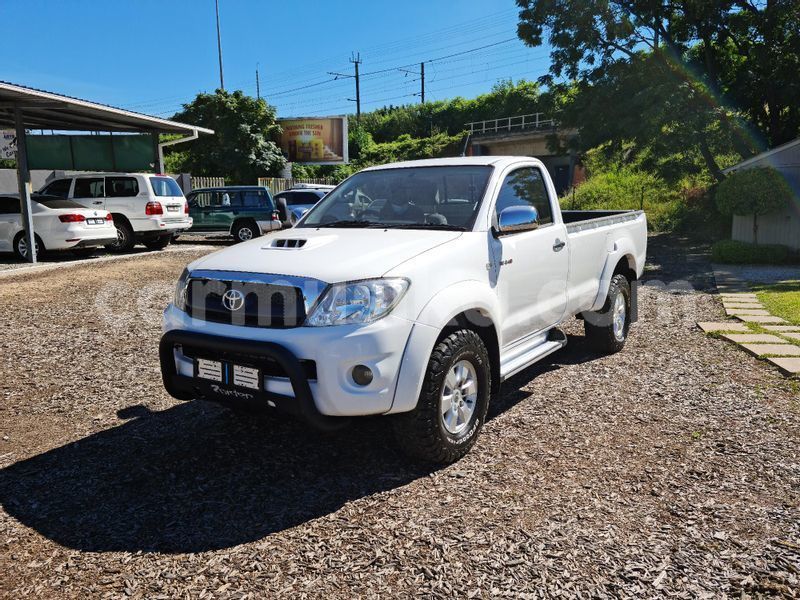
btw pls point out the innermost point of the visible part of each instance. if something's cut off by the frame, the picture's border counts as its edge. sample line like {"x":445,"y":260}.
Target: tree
{"x":713,"y":61}
{"x":758,"y":191}
{"x":241,"y":149}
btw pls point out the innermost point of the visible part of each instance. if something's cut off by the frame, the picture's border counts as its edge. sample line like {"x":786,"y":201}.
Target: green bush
{"x":739,"y":253}
{"x":626,"y":189}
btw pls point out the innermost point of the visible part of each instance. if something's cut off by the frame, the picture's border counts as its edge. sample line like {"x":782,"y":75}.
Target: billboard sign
{"x":315,"y":140}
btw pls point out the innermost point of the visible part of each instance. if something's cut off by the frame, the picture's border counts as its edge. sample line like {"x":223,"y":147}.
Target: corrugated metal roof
{"x":47,"y":110}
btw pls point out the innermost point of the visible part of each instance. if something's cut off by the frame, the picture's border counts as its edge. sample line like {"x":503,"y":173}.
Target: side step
{"x":517,"y":361}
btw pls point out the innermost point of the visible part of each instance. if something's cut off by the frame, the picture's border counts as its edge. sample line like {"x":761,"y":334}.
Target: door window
{"x":525,"y":187}
{"x":208,"y":199}
{"x":122,"y":187}
{"x":86,"y":187}
{"x":59,"y":187}
{"x":9,"y":206}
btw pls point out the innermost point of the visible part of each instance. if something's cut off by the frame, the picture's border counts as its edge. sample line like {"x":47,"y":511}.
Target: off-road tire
{"x":159,"y":243}
{"x":245,"y":225}
{"x":421,"y":433}
{"x":599,"y":325}
{"x":125,"y":238}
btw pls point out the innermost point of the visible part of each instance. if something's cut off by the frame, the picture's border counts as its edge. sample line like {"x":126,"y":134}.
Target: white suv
{"x":147,"y":208}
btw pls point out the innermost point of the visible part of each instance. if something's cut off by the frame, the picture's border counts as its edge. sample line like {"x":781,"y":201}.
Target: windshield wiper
{"x":438,"y":226}
{"x":347,"y":223}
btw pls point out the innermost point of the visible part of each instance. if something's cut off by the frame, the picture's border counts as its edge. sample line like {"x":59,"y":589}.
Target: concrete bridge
{"x":528,"y":135}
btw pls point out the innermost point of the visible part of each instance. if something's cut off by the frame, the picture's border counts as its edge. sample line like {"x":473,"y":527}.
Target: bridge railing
{"x":531,"y":121}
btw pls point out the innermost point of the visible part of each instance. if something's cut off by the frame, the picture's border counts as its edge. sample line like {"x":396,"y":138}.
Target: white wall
{"x":8,"y":180}
{"x":776,"y":228}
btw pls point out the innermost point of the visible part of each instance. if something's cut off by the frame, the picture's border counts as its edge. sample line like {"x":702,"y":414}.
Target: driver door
{"x":531,"y":266}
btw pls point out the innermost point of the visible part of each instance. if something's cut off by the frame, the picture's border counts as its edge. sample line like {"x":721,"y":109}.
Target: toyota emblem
{"x":233,"y":300}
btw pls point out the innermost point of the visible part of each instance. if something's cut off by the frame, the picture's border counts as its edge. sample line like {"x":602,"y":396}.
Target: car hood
{"x":329,"y":255}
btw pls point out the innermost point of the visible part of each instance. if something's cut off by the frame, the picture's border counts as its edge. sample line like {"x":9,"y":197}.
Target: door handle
{"x":97,"y":202}
{"x":559,"y":245}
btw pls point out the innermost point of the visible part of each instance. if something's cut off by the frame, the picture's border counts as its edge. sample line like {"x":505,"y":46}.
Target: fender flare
{"x":617,"y":250}
{"x":439,"y":311}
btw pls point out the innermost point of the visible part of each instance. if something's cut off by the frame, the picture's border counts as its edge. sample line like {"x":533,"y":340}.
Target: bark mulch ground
{"x":671,"y":468}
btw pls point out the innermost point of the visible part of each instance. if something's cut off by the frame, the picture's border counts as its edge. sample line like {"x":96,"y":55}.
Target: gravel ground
{"x":670,"y":469}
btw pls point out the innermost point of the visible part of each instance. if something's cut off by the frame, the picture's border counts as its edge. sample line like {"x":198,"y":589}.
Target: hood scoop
{"x":290,"y":244}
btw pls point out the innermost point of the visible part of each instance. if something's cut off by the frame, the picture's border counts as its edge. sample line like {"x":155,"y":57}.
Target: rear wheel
{"x":125,"y":240}
{"x":159,"y":243}
{"x":452,"y":406}
{"x":607,"y":329}
{"x":21,"y":246}
{"x":245,"y":230}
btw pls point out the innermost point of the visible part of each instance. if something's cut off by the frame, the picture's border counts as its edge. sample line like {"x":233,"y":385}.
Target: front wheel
{"x":125,"y":239}
{"x":452,"y":406}
{"x":607,"y":329}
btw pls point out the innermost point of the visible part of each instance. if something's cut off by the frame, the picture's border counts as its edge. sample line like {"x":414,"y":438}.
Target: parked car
{"x":418,"y":309}
{"x":58,"y":224}
{"x":147,"y":209}
{"x":293,"y":203}
{"x":243,"y":211}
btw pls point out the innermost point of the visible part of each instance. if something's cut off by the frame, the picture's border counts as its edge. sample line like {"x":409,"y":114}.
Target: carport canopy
{"x":24,"y":108}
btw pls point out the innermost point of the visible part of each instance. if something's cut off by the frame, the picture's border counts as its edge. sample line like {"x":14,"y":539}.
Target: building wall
{"x":782,"y":227}
{"x":776,"y":228}
{"x":8,"y":180}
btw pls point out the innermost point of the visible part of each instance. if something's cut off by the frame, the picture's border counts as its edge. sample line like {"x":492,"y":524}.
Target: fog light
{"x":362,"y":375}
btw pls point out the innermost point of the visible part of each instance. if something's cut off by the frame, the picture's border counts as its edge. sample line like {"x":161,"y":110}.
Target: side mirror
{"x":518,"y":218}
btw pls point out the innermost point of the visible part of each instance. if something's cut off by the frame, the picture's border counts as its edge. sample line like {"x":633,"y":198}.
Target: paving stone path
{"x":756,"y":331}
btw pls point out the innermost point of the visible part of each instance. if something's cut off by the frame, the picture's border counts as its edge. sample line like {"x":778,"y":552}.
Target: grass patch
{"x":782,"y":300}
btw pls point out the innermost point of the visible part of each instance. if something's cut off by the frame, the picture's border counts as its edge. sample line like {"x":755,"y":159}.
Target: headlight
{"x":181,"y":290}
{"x":357,"y":302}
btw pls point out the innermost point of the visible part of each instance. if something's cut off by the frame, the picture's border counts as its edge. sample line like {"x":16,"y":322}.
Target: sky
{"x":153,"y":56}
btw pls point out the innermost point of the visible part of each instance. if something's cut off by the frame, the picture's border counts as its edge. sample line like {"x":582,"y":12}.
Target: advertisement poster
{"x":315,"y":140}
{"x":8,"y":144}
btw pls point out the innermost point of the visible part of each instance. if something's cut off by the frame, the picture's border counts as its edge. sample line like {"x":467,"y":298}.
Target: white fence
{"x":207,"y":182}
{"x":532,"y":121}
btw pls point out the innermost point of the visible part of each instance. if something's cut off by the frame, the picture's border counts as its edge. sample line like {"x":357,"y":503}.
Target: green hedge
{"x":740,"y":253}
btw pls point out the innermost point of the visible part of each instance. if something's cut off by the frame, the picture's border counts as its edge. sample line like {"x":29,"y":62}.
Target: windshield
{"x":416,"y":197}
{"x":165,"y":186}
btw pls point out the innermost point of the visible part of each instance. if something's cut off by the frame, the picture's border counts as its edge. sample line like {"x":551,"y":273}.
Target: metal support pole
{"x":219,"y":50}
{"x":158,"y":155}
{"x":24,"y":183}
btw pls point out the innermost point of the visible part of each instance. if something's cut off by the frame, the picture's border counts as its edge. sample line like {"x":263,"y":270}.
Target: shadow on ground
{"x":672,"y":258}
{"x":199,"y":477}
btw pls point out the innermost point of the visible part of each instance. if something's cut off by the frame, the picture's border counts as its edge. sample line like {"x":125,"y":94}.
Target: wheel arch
{"x":464,"y":305}
{"x":120,"y":218}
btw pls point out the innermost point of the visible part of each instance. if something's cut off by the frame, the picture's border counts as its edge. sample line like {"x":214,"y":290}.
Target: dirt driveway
{"x":671,"y":468}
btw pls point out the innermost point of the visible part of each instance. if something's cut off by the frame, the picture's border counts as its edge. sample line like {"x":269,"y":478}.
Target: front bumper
{"x":185,"y":387}
{"x":333,"y":350}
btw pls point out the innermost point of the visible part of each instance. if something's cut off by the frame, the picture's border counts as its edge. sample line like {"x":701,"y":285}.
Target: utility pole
{"x":219,"y":50}
{"x":258,"y":85}
{"x":422,"y":82}
{"x":356,"y":60}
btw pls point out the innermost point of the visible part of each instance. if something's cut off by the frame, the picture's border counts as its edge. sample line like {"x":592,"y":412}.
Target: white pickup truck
{"x":412,"y":289}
